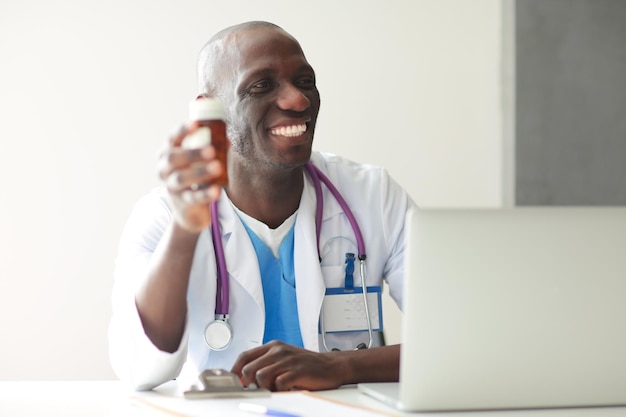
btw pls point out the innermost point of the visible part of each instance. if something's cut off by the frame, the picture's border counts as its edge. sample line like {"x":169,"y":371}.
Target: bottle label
{"x":198,"y":139}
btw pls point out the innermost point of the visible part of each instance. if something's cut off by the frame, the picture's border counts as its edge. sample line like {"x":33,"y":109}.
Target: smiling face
{"x":269,"y":90}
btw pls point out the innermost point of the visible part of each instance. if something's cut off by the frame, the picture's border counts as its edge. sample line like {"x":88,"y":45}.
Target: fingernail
{"x":187,"y":196}
{"x":214,"y":192}
{"x":206,"y":152}
{"x":214,"y":167}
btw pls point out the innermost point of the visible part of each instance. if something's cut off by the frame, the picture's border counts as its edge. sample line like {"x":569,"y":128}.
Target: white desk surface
{"x":111,"y":398}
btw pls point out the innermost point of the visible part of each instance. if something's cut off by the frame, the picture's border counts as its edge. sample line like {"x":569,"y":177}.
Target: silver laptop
{"x":512,"y":308}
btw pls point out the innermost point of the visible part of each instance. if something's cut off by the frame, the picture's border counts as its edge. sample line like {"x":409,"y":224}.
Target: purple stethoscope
{"x":218,"y":334}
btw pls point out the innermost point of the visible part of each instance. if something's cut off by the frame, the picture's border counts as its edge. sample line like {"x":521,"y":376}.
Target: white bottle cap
{"x":207,"y":108}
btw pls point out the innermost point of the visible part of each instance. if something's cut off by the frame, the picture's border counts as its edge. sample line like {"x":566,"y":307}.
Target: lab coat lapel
{"x":241,"y":260}
{"x":310,"y":288}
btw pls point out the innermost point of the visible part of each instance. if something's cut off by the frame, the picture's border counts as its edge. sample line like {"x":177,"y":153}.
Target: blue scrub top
{"x":279,"y":289}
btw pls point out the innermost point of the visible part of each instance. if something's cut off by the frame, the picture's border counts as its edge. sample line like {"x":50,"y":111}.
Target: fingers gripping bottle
{"x":209,"y":115}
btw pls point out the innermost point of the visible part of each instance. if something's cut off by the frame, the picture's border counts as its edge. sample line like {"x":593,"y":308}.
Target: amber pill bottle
{"x":209,"y":128}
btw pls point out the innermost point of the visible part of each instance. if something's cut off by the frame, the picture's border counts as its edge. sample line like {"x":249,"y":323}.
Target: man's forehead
{"x":251,"y":46}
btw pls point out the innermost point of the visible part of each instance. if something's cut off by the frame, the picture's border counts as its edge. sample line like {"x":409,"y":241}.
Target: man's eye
{"x":306,"y":83}
{"x":260,"y":87}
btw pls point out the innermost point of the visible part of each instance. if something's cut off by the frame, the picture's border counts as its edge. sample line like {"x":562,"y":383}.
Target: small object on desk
{"x":218,"y":383}
{"x":261,"y":409}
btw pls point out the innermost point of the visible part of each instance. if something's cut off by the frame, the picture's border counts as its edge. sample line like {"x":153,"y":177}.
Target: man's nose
{"x":292,"y":98}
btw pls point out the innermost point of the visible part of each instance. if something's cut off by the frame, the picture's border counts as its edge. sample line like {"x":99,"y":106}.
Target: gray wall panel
{"x":570,"y":102}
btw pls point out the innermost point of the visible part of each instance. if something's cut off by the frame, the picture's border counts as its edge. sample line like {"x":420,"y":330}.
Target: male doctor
{"x":165,"y":278}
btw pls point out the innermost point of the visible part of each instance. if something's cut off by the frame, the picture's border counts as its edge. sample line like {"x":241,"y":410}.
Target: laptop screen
{"x":514,"y":308}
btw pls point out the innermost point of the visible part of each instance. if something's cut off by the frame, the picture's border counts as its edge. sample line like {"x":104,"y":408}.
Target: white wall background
{"x":89,"y":90}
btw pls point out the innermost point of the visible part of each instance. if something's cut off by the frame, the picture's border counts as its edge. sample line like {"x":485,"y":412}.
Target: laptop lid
{"x":514,"y":308}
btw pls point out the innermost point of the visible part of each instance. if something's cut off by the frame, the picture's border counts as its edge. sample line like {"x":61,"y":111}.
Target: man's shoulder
{"x":156,"y":199}
{"x":336,"y":165}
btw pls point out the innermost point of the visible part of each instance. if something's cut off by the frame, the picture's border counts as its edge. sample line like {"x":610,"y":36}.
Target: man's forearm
{"x":162,"y":299}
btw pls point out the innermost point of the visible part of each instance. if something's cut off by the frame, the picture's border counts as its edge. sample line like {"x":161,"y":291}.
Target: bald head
{"x":260,"y":73}
{"x":215,"y":54}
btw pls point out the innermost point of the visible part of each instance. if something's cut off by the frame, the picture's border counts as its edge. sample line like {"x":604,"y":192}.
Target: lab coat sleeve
{"x":134,"y":358}
{"x":395,"y":204}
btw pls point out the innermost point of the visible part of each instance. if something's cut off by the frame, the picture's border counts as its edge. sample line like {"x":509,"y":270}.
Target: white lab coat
{"x":379,"y":205}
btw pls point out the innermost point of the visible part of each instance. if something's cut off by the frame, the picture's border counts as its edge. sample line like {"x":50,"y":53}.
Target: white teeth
{"x":289,"y":131}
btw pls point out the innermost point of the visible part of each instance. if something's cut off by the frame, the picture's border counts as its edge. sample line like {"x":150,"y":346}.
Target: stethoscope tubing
{"x":222,"y":302}
{"x":318,"y":177}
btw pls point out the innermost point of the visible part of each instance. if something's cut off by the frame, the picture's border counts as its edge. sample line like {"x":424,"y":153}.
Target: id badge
{"x":343,"y":310}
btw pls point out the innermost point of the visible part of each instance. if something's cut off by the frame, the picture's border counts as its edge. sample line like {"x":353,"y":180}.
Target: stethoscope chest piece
{"x":218,"y":334}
